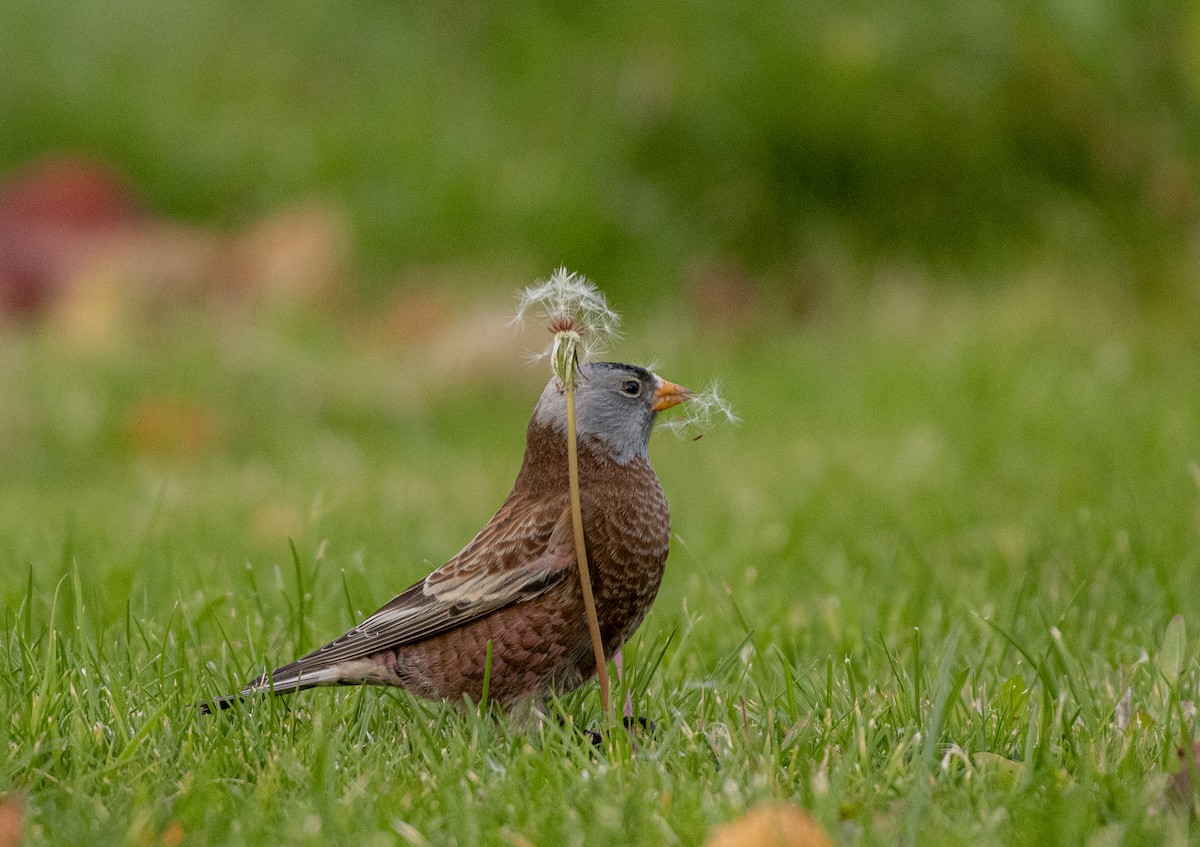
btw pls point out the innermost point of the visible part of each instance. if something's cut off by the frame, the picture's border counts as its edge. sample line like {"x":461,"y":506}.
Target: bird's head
{"x":614,"y":403}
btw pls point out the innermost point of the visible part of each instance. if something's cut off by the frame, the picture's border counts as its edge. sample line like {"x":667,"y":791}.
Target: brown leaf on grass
{"x":12,"y":820}
{"x":172,"y":836}
{"x":780,"y":825}
{"x":171,"y":426}
{"x":297,"y":256}
{"x":415,"y":317}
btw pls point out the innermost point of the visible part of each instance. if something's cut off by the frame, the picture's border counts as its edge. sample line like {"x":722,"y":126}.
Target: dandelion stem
{"x":575,"y":309}
{"x":585,"y":579}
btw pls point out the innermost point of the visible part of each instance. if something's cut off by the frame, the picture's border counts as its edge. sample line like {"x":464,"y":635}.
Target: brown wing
{"x":527,"y":548}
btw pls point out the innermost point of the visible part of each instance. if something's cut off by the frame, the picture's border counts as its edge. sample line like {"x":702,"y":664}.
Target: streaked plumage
{"x":516,"y":583}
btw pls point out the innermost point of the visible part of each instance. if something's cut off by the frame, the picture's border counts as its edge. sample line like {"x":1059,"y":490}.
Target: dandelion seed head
{"x":570,"y":301}
{"x":703,"y":411}
{"x":564,"y":356}
{"x":577,"y":314}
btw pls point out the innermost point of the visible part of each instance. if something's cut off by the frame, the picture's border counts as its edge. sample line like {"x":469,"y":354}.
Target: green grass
{"x":909,"y":593}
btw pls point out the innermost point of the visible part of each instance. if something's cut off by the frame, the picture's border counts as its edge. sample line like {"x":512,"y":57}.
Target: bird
{"x":514,"y":591}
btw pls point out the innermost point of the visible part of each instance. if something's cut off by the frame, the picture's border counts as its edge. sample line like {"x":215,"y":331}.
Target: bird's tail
{"x":284,"y":680}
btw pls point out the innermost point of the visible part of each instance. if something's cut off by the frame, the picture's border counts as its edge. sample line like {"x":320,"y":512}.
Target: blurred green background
{"x":804,"y":144}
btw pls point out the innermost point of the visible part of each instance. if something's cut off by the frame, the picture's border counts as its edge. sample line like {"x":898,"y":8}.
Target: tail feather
{"x":284,"y":680}
{"x":298,"y":676}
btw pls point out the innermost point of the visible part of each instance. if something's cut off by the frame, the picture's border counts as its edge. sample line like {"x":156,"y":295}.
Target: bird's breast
{"x":627,"y":550}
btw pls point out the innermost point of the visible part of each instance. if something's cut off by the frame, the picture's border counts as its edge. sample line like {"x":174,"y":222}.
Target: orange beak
{"x":669,"y":394}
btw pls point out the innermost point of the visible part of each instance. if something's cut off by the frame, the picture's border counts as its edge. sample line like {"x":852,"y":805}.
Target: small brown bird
{"x":516,"y":583}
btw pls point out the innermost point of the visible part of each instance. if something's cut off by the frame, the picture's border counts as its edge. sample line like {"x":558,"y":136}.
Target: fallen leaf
{"x":172,"y":836}
{"x":171,"y":426}
{"x":416,"y":317}
{"x":12,"y":821}
{"x":781,"y":825}
{"x":297,"y":256}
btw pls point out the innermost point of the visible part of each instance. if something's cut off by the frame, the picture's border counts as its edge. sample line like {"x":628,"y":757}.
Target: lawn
{"x":928,"y":589}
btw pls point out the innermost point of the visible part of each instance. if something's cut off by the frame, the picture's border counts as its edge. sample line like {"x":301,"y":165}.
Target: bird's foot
{"x":647,"y":726}
{"x":631,"y":724}
{"x":220,"y":703}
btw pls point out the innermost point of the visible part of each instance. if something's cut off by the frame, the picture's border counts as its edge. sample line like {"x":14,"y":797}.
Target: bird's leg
{"x":595,"y":736}
{"x":628,"y":719}
{"x":628,"y":697}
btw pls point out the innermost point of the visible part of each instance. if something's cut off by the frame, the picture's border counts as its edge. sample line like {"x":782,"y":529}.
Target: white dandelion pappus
{"x":703,"y":411}
{"x":578,"y":314}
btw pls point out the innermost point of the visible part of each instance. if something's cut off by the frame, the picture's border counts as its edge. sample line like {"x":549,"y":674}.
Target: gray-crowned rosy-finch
{"x":516,"y":583}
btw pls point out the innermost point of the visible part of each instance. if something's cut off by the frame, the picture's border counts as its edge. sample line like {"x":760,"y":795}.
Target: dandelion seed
{"x":704,"y":410}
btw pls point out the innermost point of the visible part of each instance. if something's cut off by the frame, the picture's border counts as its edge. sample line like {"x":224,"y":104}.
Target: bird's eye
{"x":631,"y":387}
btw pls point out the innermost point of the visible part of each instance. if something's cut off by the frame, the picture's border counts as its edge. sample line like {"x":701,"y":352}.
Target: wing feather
{"x":526,"y":549}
